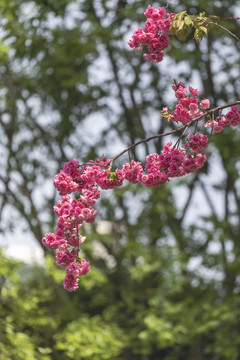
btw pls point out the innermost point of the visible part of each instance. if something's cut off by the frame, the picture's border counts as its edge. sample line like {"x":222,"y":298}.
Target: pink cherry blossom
{"x":50,"y":241}
{"x":205,"y":104}
{"x":70,"y":282}
{"x":64,"y":259}
{"x":132,"y":170}
{"x":153,"y":35}
{"x":193,"y":91}
{"x":217,"y":128}
{"x":233,"y":116}
{"x":197,"y":142}
{"x":83,"y":267}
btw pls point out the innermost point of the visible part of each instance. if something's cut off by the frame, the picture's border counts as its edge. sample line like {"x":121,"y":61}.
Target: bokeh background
{"x":165,"y":277}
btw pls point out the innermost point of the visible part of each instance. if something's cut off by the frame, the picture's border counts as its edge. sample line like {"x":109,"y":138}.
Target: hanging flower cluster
{"x":88,"y":179}
{"x":153,"y":35}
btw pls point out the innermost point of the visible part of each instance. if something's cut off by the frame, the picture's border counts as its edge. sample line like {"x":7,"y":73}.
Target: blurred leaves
{"x":90,"y":339}
{"x":183,"y":23}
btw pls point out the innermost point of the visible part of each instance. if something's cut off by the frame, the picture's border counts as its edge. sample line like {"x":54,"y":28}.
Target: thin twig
{"x":169,"y":1}
{"x":182,"y":135}
{"x":227,"y":18}
{"x":129,"y":156}
{"x":222,"y":27}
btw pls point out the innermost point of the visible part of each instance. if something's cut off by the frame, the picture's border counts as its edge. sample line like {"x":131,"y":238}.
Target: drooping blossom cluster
{"x":153,"y":35}
{"x":72,"y":212}
{"x":89,"y":178}
{"x":197,"y":142}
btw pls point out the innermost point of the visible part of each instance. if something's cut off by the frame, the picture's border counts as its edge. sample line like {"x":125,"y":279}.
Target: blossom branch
{"x":181,"y":128}
{"x":173,"y":161}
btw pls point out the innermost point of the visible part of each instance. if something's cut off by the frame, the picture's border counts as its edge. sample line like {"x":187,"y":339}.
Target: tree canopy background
{"x":71,"y":87}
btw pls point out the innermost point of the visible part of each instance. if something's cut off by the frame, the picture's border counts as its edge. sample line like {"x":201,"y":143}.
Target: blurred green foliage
{"x":65,"y":71}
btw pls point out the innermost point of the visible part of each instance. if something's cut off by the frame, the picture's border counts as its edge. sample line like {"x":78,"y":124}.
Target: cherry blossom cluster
{"x":153,"y":35}
{"x":171,"y":162}
{"x":188,"y":107}
{"x":88,"y":179}
{"x":231,"y":118}
{"x":73,"y":212}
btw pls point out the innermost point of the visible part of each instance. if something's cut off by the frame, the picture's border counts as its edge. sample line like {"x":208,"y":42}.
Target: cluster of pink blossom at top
{"x":153,"y":35}
{"x":88,"y":179}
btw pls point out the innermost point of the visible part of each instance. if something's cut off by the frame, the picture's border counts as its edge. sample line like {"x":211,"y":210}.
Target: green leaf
{"x":188,"y":21}
{"x":204,"y":29}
